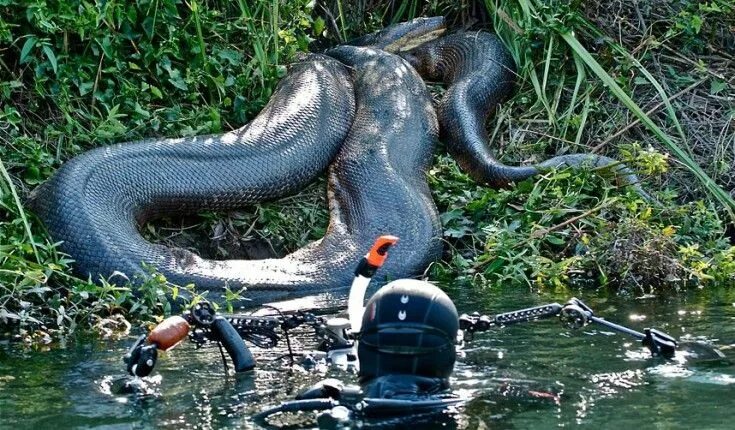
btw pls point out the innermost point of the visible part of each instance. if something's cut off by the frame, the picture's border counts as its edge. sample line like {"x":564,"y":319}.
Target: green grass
{"x":77,"y":75}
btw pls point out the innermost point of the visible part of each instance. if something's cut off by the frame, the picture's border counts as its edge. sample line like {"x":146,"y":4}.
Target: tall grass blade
{"x":568,"y":114}
{"x":275,"y":28}
{"x":720,"y":194}
{"x":19,"y":207}
{"x":341,"y":13}
{"x":653,"y":81}
{"x":200,"y":38}
{"x":248,"y":17}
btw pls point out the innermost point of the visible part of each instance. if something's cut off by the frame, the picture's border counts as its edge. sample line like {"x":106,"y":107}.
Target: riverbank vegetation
{"x":650,"y":83}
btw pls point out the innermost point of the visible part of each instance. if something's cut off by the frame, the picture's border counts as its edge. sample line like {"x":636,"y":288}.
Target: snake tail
{"x":480,"y":74}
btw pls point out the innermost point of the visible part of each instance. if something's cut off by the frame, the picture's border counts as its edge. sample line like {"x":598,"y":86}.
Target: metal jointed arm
{"x":478,"y":323}
{"x":574,"y":314}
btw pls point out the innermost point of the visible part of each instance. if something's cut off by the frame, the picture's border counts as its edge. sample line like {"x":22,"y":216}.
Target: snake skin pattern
{"x":96,"y":202}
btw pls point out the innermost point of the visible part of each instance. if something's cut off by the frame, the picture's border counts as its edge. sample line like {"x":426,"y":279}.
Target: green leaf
{"x":142,"y":112}
{"x":494,"y":266}
{"x":178,"y":83}
{"x":51,"y":57}
{"x":458,"y":232}
{"x":30,"y":43}
{"x":281,"y":70}
{"x":156,"y":92}
{"x":717,"y":86}
{"x":318,"y":26}
{"x":32,"y":175}
{"x":175,"y":78}
{"x":450,"y":216}
{"x":554,"y":240}
{"x":85,"y":87}
{"x":696,"y":23}
{"x":233,"y":57}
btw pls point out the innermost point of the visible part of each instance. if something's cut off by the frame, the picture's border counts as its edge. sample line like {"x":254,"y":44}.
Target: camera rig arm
{"x":574,"y":314}
{"x":202,"y":325}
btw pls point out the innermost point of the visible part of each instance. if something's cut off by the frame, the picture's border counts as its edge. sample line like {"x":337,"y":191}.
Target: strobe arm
{"x":219,"y":329}
{"x":479,"y":323}
{"x":141,"y":357}
{"x":574,"y":315}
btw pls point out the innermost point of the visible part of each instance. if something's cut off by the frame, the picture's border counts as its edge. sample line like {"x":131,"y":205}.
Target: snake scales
{"x":362,"y":111}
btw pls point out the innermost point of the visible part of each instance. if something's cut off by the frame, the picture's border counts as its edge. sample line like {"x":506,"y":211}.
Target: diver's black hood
{"x":409,"y":327}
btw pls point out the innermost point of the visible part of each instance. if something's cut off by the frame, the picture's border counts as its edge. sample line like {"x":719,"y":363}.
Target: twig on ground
{"x":544,"y":231}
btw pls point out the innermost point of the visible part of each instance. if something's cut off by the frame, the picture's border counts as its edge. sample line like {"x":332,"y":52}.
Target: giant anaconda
{"x":378,"y":139}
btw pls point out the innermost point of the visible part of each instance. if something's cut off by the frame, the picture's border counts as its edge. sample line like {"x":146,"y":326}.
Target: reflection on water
{"x":536,"y":375}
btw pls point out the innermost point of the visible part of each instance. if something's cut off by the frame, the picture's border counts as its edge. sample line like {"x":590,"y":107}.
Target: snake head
{"x":426,"y":60}
{"x":404,"y":35}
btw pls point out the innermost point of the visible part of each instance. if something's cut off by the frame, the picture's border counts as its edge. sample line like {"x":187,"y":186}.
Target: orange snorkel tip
{"x":379,"y":252}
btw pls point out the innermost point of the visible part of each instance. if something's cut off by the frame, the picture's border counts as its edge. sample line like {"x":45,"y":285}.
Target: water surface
{"x":537,"y":375}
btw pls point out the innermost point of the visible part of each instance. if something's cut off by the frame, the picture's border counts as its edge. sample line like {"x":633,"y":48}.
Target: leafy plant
{"x":76,"y":75}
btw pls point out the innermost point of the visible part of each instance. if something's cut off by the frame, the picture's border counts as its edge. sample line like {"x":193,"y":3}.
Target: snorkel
{"x":370,"y":263}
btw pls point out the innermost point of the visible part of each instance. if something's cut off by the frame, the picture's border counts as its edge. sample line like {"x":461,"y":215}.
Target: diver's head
{"x":409,"y":327}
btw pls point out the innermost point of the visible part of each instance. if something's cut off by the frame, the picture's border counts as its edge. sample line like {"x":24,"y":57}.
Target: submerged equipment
{"x":141,"y":357}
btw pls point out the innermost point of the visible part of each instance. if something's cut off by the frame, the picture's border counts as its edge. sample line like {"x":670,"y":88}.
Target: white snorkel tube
{"x":369,"y":264}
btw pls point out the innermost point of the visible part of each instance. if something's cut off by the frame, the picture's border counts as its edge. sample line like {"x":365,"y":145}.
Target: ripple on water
{"x":537,"y":375}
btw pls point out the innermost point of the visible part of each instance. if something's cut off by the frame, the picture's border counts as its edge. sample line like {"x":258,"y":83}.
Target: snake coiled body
{"x":96,"y":202}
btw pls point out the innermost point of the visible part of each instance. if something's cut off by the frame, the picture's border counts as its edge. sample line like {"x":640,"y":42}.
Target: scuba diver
{"x":406,"y":354}
{"x":402,"y":342}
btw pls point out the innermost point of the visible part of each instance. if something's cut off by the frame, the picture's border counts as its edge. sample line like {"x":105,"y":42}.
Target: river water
{"x":535,"y":375}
